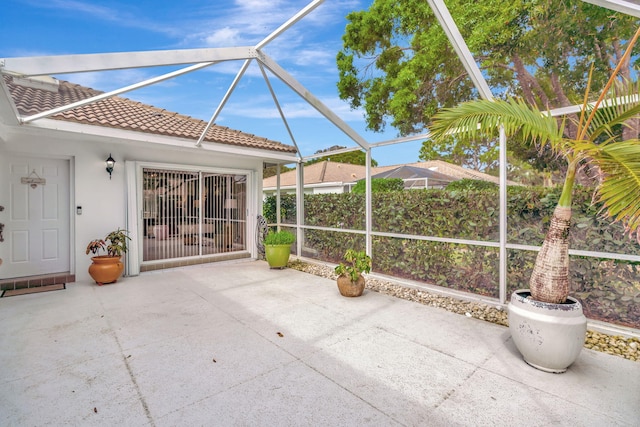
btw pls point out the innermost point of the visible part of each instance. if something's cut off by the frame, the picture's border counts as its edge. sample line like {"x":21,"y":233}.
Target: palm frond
{"x":474,"y":119}
{"x":619,"y":190}
{"x":622,"y":104}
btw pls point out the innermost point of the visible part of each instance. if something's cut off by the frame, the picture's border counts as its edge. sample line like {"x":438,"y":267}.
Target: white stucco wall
{"x":103,"y":201}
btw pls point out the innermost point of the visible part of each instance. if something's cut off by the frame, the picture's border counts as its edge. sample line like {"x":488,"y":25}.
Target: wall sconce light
{"x":110,"y":164}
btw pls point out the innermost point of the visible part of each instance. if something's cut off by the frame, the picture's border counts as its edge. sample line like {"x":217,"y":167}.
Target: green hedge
{"x":610,"y":290}
{"x":379,"y":185}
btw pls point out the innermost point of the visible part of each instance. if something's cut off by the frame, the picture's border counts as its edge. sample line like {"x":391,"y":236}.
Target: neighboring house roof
{"x":123,"y":113}
{"x":447,"y":169}
{"x":410,"y":172}
{"x":320,"y":173}
{"x":327,"y":171}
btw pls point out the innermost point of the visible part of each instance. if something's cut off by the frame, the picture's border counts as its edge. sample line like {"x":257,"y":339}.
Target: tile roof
{"x":318,"y":173}
{"x":123,"y":113}
{"x":411,"y":172}
{"x":445,"y":168}
{"x":324,"y":172}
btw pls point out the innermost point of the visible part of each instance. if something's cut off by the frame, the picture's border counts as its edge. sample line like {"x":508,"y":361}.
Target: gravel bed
{"x":628,"y":348}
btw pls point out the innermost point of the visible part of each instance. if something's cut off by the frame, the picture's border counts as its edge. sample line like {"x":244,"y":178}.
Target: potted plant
{"x":277,"y":248}
{"x":351,"y":282}
{"x":108,"y":268}
{"x":547,"y":326}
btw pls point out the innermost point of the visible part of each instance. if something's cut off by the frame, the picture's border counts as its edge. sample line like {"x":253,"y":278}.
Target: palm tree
{"x":597,"y":144}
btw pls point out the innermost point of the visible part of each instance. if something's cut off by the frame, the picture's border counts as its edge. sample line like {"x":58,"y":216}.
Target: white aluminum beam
{"x":502,"y":273}
{"x":421,"y":136}
{"x":300,"y":208}
{"x":278,"y":198}
{"x":368,"y":205}
{"x":114,"y":92}
{"x":284,"y":27}
{"x":627,"y":7}
{"x":277,"y":104}
{"x":224,"y":100}
{"x":457,"y":41}
{"x":563,"y":111}
{"x":81,"y":63}
{"x":290,"y":81}
{"x":330,"y":153}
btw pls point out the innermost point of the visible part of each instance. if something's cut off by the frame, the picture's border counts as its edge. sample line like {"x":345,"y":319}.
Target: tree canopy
{"x":398,"y":65}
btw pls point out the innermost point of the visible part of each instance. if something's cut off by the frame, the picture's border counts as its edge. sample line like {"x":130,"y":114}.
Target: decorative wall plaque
{"x":33,"y":180}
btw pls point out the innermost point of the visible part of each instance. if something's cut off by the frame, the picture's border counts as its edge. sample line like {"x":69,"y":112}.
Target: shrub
{"x":379,"y":185}
{"x":471,"y":184}
{"x":279,"y":238}
{"x":610,"y":290}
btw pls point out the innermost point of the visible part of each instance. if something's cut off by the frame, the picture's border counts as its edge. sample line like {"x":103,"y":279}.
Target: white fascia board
{"x":81,"y":63}
{"x":327,"y":184}
{"x":124,"y":136}
{"x":290,"y":81}
{"x":627,"y":7}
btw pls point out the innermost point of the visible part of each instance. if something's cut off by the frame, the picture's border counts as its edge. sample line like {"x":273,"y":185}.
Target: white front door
{"x":36,"y":217}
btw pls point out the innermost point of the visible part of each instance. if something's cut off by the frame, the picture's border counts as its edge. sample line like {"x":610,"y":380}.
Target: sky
{"x":307,"y":51}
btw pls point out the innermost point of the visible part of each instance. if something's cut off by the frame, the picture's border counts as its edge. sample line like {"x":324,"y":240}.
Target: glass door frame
{"x":135,"y":210}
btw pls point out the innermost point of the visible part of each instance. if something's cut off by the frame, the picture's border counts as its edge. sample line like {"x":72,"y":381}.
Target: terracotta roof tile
{"x":123,"y":113}
{"x":318,"y":173}
{"x":323,"y":172}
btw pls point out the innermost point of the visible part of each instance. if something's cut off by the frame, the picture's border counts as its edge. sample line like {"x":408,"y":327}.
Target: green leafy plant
{"x":114,"y":244}
{"x":279,"y":238}
{"x":595,"y":143}
{"x":471,"y":184}
{"x":473,"y":215}
{"x":379,"y":185}
{"x":287,"y":209}
{"x":357,"y":262}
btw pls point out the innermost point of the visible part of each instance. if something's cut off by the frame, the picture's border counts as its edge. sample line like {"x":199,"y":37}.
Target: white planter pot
{"x":549,"y":336}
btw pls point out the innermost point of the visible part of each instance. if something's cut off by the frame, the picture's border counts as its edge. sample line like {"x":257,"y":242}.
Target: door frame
{"x":135,"y":195}
{"x":71,"y":202}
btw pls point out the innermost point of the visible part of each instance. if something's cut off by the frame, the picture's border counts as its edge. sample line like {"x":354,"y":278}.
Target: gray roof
{"x":409,"y":172}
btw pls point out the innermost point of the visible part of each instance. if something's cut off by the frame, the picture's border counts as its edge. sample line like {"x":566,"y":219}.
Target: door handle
{"x":1,"y":229}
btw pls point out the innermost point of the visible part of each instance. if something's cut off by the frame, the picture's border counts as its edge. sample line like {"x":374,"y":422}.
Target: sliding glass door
{"x":192,"y":214}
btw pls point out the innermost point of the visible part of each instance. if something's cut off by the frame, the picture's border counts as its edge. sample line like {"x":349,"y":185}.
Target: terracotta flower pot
{"x":348,"y":288}
{"x":106,"y":269}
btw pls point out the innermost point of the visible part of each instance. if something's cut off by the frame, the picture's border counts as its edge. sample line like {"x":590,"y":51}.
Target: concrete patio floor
{"x":238,"y":344}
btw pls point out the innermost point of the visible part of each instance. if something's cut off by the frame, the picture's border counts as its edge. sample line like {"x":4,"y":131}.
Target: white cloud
{"x":107,"y":81}
{"x":224,"y":37}
{"x":313,"y":57}
{"x":264,"y":108}
{"x":124,"y":16}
